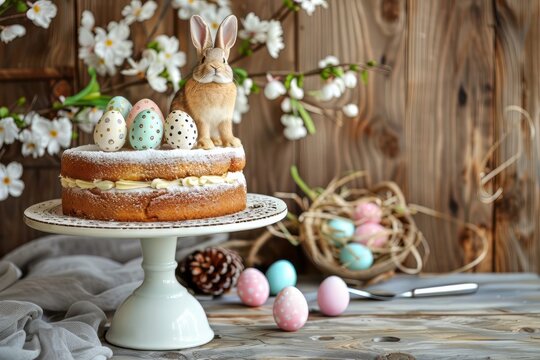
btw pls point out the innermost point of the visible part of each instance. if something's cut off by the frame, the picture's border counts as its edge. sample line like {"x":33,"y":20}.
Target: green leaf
{"x":245,"y":48}
{"x":21,"y":101}
{"x":4,"y":111}
{"x":302,"y":184}
{"x":291,"y":5}
{"x":18,"y":121}
{"x":326,"y":73}
{"x":288,"y":80}
{"x":182,"y":83}
{"x":364,"y":76}
{"x":74,"y":135}
{"x":354,"y":67}
{"x":153,"y":45}
{"x":308,"y":121}
{"x":240,"y":75}
{"x":337,"y":71}
{"x":255,"y":89}
{"x":371,"y":63}
{"x":21,"y":7}
{"x":89,"y":96}
{"x":300,"y":80}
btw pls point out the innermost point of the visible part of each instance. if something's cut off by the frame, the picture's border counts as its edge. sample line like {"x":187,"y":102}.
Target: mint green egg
{"x":356,"y":257}
{"x":280,"y":275}
{"x":120,"y":104}
{"x":146,"y":131}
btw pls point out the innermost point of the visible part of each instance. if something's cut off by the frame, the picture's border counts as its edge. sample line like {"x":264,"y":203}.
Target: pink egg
{"x":368,"y":213}
{"x":333,"y":296}
{"x":290,"y":309}
{"x":252,"y":287}
{"x":371,"y":235}
{"x":141,"y":105}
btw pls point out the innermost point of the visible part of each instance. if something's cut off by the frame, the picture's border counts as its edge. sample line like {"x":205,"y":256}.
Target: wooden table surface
{"x":501,"y":321}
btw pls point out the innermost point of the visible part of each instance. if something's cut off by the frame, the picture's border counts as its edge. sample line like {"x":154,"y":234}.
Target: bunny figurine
{"x":210,"y":94}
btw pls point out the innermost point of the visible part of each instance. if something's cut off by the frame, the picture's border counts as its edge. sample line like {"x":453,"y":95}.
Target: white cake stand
{"x":160,"y":314}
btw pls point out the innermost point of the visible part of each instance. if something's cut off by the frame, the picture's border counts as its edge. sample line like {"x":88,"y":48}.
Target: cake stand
{"x":160,"y":314}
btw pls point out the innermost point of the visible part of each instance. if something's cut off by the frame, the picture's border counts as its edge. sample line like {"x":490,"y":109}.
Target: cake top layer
{"x":89,"y":163}
{"x":164,"y":155}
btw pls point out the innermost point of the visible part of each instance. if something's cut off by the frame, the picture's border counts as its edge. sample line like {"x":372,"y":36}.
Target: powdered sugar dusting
{"x":163,"y":155}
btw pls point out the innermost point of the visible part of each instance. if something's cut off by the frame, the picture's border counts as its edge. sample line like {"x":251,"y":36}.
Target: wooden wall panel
{"x":455,"y":65}
{"x":517,"y":229}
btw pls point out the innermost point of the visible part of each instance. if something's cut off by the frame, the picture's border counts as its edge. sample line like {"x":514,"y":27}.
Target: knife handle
{"x":453,"y":289}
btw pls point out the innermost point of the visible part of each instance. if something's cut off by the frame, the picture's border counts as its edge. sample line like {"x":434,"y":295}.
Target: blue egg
{"x":356,"y":257}
{"x":120,"y":104}
{"x":342,"y":230}
{"x":146,"y":131}
{"x":280,"y":275}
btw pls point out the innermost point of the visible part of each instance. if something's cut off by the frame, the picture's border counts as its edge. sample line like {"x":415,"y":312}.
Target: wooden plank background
{"x":456,"y":66}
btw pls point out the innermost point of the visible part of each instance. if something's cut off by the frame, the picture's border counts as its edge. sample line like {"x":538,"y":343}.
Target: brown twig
{"x":384,"y":69}
{"x":11,"y":17}
{"x":160,"y":19}
{"x":123,"y":85}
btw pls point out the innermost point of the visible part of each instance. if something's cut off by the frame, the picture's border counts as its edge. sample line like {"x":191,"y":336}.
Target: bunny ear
{"x":200,"y":33}
{"x":226,"y":34}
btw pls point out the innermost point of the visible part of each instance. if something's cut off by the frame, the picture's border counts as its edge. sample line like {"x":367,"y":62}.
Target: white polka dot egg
{"x":253,"y":288}
{"x":180,"y":130}
{"x":290,"y":309}
{"x":111,"y":131}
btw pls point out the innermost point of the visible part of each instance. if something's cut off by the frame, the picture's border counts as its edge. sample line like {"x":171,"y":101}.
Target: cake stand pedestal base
{"x":160,"y":314}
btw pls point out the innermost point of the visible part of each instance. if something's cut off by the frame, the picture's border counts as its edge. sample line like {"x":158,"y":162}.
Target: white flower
{"x":295,"y":133}
{"x":214,"y":16}
{"x":310,"y":5}
{"x":136,"y":11}
{"x":2,"y":2}
{"x":33,"y":144}
{"x":241,"y":106}
{"x":87,"y":20}
{"x":31,"y":117}
{"x":330,"y":60}
{"x":10,"y":180}
{"x":286,"y":105}
{"x":150,"y":67}
{"x":171,"y":58}
{"x":350,"y":79}
{"x":247,"y":85}
{"x":187,"y":8}
{"x":294,"y":127}
{"x":87,"y":118}
{"x":8,"y":131}
{"x":329,"y":91}
{"x":274,"y":88}
{"x":11,"y":32}
{"x":350,"y":110}
{"x":57,"y":133}
{"x":295,"y":91}
{"x":41,"y":13}
{"x":113,"y":46}
{"x":254,"y":29}
{"x":274,"y":38}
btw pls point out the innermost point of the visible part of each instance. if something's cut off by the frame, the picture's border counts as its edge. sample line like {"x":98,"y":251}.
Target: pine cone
{"x":212,"y":271}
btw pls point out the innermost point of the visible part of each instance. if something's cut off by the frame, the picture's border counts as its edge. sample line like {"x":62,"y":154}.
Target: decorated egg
{"x":252,"y":287}
{"x":371,"y":234}
{"x":146,"y":131}
{"x":333,"y":296}
{"x":341,"y":230}
{"x":141,"y":105}
{"x":120,"y":104}
{"x":280,"y":275}
{"x":356,"y":257}
{"x":290,"y":309}
{"x":110,"y":132}
{"x":180,"y":130}
{"x":368,"y":213}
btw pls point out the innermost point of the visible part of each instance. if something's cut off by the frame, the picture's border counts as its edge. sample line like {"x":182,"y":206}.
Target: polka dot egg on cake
{"x":146,"y":131}
{"x":110,"y":131}
{"x":140,"y":106}
{"x":180,"y":130}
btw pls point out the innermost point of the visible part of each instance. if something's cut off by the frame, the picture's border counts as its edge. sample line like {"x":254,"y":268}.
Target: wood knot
{"x":390,"y":10}
{"x":388,"y":143}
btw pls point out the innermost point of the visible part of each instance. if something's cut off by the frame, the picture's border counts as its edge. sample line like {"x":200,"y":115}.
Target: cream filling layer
{"x":191,"y":181}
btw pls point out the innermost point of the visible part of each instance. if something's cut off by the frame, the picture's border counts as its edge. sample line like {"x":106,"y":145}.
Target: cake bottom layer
{"x":154,"y":205}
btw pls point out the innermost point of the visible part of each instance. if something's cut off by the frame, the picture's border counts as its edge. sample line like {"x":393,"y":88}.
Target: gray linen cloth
{"x":79,"y":276}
